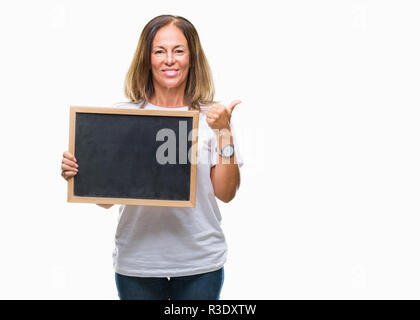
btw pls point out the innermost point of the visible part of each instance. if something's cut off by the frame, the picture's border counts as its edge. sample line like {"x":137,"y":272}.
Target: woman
{"x":176,"y":253}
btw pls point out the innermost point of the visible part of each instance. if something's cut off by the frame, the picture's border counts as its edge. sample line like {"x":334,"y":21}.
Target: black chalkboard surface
{"x":133,"y":156}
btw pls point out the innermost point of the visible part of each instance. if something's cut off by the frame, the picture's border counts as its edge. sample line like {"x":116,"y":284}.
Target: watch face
{"x":227,"y":151}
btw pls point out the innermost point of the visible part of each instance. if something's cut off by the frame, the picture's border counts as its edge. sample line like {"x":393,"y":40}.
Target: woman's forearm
{"x":225,"y":174}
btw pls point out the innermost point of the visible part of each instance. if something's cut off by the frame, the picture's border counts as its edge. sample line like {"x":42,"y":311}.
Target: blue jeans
{"x":205,"y":286}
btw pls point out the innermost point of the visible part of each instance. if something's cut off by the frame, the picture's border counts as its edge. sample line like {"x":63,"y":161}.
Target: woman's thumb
{"x":233,"y":105}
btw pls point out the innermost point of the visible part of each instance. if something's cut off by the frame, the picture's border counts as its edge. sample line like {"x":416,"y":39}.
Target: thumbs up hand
{"x":218,"y":116}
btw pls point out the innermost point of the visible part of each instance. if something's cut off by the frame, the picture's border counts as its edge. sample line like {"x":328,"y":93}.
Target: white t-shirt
{"x":174,"y":241}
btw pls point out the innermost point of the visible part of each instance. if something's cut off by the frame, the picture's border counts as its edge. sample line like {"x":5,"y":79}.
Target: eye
{"x":158,"y":51}
{"x":179,"y":51}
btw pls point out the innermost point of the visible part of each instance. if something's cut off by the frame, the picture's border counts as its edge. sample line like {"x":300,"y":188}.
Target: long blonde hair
{"x":199,"y":90}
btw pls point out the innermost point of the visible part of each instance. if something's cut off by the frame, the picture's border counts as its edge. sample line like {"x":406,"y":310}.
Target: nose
{"x":170,"y":59}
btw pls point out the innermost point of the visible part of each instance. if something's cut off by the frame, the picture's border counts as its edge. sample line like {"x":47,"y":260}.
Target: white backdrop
{"x":329,"y":128}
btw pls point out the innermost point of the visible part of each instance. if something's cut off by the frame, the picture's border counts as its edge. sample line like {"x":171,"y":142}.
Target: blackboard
{"x":133,"y":156}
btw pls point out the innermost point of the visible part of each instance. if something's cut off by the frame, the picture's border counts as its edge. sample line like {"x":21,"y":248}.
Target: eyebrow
{"x":177,"y":46}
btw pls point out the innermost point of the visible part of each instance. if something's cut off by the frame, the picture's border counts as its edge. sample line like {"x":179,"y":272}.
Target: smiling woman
{"x":169,"y":47}
{"x":169,"y":252}
{"x":170,"y":62}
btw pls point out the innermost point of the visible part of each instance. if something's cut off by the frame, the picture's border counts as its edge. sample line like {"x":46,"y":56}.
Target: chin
{"x":171,"y":84}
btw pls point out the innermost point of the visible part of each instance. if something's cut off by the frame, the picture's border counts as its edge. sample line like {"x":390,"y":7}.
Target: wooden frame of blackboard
{"x":137,"y":112}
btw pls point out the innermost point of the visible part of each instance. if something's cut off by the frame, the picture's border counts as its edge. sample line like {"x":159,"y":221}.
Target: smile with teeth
{"x":170,"y":72}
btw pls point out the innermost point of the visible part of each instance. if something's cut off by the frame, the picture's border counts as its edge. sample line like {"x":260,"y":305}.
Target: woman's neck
{"x":168,"y":97}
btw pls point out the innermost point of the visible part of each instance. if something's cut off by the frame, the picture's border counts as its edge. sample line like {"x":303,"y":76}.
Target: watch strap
{"x":220,"y":151}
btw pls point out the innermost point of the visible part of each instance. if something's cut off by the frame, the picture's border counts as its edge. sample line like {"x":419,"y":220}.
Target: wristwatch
{"x":227,"y":151}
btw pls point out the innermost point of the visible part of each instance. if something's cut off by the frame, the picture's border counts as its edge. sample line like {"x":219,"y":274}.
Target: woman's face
{"x":170,"y":57}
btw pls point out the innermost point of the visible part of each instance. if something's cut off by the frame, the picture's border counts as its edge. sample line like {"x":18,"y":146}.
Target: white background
{"x":329,"y":128}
